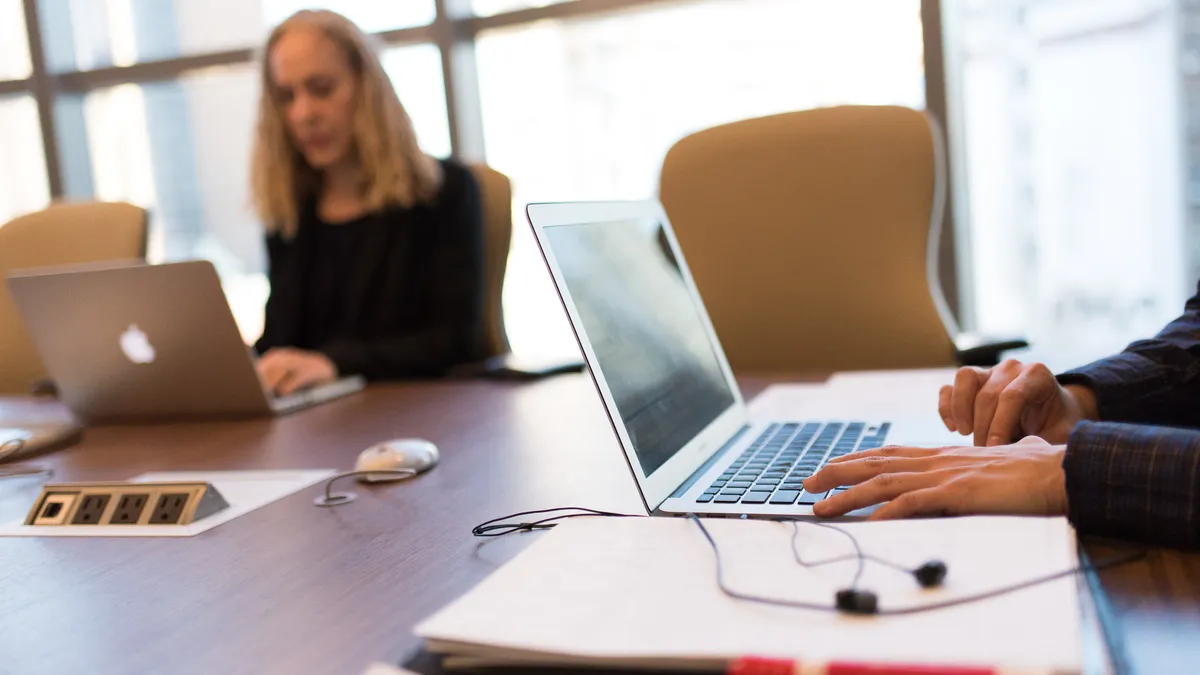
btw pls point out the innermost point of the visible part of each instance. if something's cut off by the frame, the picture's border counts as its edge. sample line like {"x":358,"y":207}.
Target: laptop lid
{"x":645,"y":334}
{"x":139,"y":342}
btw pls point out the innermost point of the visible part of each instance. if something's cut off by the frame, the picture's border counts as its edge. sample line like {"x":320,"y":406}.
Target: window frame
{"x":454,"y":32}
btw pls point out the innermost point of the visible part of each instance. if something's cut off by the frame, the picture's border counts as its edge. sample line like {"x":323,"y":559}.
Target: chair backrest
{"x":496,"y":193}
{"x":812,"y":235}
{"x":62,"y":234}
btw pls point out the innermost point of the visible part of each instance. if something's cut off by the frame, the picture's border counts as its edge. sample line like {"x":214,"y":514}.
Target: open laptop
{"x":673,"y":402}
{"x":148,"y":342}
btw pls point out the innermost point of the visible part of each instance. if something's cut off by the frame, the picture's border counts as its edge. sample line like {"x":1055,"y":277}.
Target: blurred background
{"x":1074,"y":126}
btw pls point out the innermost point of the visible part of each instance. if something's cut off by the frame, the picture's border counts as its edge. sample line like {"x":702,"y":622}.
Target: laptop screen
{"x":650,"y":342}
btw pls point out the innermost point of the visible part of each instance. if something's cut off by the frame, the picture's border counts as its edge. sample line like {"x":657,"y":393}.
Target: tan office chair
{"x":496,"y":195}
{"x":63,"y":234}
{"x":498,"y":361}
{"x":813,"y":239}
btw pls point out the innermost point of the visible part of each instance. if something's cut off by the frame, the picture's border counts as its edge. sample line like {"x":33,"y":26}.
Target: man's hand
{"x":999,"y":405}
{"x":284,"y":370}
{"x":1025,"y":478}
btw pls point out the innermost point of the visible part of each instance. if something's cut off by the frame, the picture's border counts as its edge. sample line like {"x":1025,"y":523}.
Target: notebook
{"x":642,"y":593}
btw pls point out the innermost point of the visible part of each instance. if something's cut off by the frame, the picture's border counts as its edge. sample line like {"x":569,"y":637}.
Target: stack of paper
{"x":879,"y":393}
{"x":642,"y":592}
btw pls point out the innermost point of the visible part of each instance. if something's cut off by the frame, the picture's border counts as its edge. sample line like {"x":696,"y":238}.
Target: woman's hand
{"x":285,"y":370}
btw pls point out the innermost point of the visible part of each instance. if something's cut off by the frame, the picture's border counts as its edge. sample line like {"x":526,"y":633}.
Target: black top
{"x":327,"y":287}
{"x":392,"y":294}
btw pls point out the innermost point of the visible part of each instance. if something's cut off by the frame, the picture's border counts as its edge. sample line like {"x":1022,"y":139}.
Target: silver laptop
{"x":675,"y":407}
{"x":147,"y":342}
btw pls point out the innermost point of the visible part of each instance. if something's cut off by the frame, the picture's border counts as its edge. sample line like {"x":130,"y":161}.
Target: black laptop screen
{"x":646,"y":332}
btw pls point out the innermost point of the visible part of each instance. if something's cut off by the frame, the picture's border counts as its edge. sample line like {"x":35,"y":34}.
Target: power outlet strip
{"x":125,"y":504}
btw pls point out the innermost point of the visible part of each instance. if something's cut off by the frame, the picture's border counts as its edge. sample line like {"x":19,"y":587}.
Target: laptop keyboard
{"x":773,"y":468}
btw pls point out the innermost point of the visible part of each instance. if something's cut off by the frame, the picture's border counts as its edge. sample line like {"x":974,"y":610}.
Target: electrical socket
{"x":91,"y":510}
{"x":169,"y":508}
{"x":125,"y":503}
{"x":129,"y":509}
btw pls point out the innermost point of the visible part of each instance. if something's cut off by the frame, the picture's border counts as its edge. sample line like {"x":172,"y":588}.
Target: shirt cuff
{"x":1121,"y":384}
{"x":1133,"y":482}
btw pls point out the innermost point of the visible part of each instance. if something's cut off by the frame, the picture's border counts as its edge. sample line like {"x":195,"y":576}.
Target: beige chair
{"x":498,"y":361}
{"x":496,"y":195}
{"x":813,"y":239}
{"x":62,"y":234}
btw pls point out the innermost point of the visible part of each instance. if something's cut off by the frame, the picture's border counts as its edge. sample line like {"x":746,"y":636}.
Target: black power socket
{"x":129,"y":509}
{"x":169,"y":509}
{"x":91,"y":508}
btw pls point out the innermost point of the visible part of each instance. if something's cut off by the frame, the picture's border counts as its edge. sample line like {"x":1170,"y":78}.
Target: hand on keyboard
{"x":285,"y":370}
{"x":1024,"y":478}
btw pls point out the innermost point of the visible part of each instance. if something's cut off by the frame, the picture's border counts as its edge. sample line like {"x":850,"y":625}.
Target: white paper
{"x":643,"y":591}
{"x":927,"y":379}
{"x":872,"y":394}
{"x":244,"y":490}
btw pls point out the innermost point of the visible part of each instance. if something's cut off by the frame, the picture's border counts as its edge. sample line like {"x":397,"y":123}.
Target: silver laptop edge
{"x":658,"y":487}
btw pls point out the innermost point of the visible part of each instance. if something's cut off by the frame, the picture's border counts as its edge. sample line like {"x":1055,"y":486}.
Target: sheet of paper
{"x":927,"y":379}
{"x":643,"y":591}
{"x":871,"y":394}
{"x":244,"y":490}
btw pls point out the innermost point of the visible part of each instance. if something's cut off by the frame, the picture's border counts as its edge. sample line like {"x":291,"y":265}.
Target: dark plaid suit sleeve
{"x":1155,"y":381}
{"x":1134,"y":482}
{"x":1135,"y":475}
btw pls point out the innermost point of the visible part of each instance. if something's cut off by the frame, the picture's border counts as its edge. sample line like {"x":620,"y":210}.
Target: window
{"x":88,"y":34}
{"x":491,"y":7}
{"x":1070,"y":156}
{"x":180,"y":149}
{"x":14,"y":46}
{"x":416,"y":73}
{"x":586,"y":109}
{"x":23,"y":185}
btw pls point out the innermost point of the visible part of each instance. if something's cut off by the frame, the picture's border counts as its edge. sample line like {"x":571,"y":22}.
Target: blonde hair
{"x":395,"y":170}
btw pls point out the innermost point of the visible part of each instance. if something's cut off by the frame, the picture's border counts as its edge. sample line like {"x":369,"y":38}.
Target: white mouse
{"x":403,"y":453}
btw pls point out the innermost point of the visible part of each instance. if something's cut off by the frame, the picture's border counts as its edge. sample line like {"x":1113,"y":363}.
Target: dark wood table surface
{"x":292,"y":588}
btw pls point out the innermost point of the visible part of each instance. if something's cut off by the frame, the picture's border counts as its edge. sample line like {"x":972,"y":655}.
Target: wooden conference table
{"x":292,"y":588}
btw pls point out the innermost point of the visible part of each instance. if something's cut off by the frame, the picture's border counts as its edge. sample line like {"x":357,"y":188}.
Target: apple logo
{"x":137,"y":346}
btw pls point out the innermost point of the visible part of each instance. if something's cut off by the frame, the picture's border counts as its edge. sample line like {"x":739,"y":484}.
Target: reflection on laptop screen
{"x":648,"y":337}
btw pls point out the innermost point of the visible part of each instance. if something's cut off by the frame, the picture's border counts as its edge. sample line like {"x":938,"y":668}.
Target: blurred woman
{"x":374,"y":247}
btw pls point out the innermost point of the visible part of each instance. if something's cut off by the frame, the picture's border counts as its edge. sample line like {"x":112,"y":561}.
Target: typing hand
{"x":999,"y":405}
{"x":1025,"y":478}
{"x":284,"y":370}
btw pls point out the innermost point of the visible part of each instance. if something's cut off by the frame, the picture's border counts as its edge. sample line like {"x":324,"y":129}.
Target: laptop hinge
{"x":712,"y":459}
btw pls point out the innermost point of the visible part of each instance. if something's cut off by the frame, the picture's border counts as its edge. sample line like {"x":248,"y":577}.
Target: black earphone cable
{"x":858,"y":554}
{"x":851,"y":600}
{"x":900,"y":611}
{"x":497,"y":527}
{"x":760,"y":599}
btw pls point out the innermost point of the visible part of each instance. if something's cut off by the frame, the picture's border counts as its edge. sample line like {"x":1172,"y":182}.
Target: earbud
{"x":854,"y":601}
{"x":851,"y":601}
{"x":931,"y":574}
